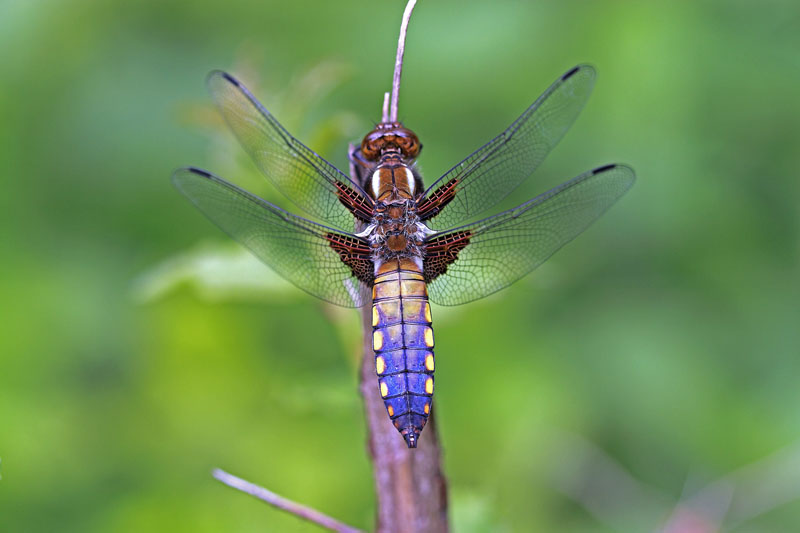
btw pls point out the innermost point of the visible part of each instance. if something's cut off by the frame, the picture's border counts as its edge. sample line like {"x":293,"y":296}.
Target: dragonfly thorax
{"x":392,"y":181}
{"x":396,"y":230}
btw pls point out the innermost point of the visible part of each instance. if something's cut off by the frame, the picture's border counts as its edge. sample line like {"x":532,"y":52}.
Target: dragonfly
{"x":383,"y":229}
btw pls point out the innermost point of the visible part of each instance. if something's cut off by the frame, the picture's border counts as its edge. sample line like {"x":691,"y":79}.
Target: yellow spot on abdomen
{"x":427,"y":408}
{"x":429,"y":337}
{"x":428,"y":312}
{"x":390,"y":410}
{"x":384,"y":390}
{"x":375,"y":316}
{"x":380,"y":364}
{"x":377,"y":340}
{"x":429,"y":362}
{"x":429,"y":385}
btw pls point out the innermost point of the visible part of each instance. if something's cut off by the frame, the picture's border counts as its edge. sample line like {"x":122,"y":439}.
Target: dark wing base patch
{"x":354,"y":253}
{"x":429,"y":207}
{"x":356,"y":203}
{"x":443,"y":251}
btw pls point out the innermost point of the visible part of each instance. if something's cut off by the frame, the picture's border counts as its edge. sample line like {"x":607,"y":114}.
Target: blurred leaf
{"x":217,"y":272}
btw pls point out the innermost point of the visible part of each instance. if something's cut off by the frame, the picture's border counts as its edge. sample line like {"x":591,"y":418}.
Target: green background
{"x":653,"y":361}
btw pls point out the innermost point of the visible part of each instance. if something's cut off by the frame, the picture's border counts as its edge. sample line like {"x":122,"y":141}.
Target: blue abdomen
{"x":402,"y":339}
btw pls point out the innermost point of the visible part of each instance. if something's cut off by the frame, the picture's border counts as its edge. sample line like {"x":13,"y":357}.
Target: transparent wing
{"x":304,"y":177}
{"x":497,"y":168}
{"x":501,"y":249}
{"x":296,"y":248}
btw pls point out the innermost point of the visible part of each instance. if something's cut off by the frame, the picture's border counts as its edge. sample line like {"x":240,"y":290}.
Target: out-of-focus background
{"x":645,"y":378}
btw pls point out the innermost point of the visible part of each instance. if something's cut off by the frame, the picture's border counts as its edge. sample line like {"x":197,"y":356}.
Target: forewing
{"x":475,"y":260}
{"x":497,"y":168}
{"x":309,"y":181}
{"x":305,"y":253}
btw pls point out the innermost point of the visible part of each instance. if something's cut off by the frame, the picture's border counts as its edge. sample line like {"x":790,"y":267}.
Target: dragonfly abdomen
{"x":402,"y":339}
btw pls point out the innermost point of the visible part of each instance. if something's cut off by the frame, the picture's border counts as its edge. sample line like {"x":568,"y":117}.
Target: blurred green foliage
{"x":138,"y":349}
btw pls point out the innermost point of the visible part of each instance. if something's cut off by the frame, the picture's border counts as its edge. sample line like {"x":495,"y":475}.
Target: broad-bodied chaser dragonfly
{"x":383,"y":228}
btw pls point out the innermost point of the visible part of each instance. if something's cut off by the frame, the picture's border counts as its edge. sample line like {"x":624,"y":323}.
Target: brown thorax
{"x":395,"y":232}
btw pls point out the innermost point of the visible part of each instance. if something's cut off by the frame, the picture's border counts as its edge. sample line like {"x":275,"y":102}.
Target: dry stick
{"x":409,"y":483}
{"x":385,"y":112}
{"x":280,"y":502}
{"x":398,"y":62}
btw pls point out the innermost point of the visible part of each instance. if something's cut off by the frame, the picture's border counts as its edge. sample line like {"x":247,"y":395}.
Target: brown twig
{"x":306,"y":513}
{"x":398,"y":62}
{"x":385,"y":109}
{"x":409,"y":483}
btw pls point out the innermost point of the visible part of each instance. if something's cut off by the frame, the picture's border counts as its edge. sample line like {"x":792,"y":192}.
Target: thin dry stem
{"x":306,"y":513}
{"x":385,"y":113}
{"x":398,"y":63}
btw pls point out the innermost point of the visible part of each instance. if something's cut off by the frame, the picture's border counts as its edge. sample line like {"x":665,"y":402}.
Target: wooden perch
{"x":409,"y":483}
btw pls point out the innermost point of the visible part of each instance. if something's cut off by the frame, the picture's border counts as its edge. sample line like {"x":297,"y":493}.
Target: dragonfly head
{"x":390,"y":137}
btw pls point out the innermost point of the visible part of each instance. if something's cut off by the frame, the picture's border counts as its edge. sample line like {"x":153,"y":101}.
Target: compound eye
{"x":409,"y":144}
{"x":371,"y":148}
{"x":412,"y":148}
